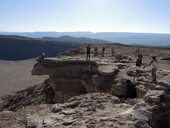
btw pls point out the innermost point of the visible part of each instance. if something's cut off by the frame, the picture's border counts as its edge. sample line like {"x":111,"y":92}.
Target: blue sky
{"x":150,"y":16}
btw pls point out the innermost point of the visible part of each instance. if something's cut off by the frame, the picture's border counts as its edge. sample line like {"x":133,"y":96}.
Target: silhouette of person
{"x":88,"y":52}
{"x":95,"y":51}
{"x":137,"y":51}
{"x":113,"y":51}
{"x":103,"y":49}
{"x":138,"y":66}
{"x":42,"y":55}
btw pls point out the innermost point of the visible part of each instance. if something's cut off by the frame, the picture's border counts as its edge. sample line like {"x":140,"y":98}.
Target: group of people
{"x":88,"y":52}
{"x":153,"y":63}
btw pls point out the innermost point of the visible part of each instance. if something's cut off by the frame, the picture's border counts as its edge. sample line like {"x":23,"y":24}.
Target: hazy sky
{"x":85,"y":15}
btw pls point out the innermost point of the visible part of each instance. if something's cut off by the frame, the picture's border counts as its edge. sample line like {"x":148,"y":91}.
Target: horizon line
{"x":82,"y":32}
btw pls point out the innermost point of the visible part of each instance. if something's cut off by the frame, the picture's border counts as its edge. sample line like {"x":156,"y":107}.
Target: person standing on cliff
{"x":113,"y":51}
{"x":154,"y":64}
{"x":42,"y":56}
{"x":138,"y":66}
{"x":88,"y":52}
{"x":103,"y":49}
{"x":95,"y":51}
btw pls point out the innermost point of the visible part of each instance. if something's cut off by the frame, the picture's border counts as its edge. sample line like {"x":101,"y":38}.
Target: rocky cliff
{"x":96,"y":93}
{"x":69,"y":78}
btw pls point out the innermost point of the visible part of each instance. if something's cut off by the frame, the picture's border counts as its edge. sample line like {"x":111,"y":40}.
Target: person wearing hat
{"x":154,"y":64}
{"x":138,"y":66}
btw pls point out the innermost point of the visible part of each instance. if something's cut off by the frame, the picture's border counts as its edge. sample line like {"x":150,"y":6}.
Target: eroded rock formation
{"x":74,"y":77}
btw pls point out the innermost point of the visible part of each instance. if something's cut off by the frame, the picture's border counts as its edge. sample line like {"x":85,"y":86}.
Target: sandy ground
{"x":16,"y":75}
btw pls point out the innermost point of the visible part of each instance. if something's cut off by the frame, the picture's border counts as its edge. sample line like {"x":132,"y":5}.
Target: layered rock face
{"x":69,"y":78}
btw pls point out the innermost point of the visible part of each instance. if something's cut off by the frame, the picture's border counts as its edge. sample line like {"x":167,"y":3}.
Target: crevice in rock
{"x":124,"y":89}
{"x":130,"y":90}
{"x":162,"y":119}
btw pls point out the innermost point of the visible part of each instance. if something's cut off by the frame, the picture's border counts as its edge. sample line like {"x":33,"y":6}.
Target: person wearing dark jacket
{"x":88,"y":52}
{"x":138,"y":66}
{"x":103,"y":50}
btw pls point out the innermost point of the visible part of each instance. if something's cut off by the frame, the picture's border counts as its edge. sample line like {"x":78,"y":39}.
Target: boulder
{"x":141,"y":91}
{"x":132,"y":72}
{"x":118,"y":56}
{"x":121,"y":65}
{"x":154,"y":96}
{"x":118,"y":90}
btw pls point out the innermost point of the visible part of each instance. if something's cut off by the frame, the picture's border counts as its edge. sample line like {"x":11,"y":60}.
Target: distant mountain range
{"x":14,"y":47}
{"x":20,"y":48}
{"x":152,"y":39}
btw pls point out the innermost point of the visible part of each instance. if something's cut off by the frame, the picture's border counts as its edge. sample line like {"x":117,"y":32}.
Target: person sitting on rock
{"x":138,"y":66}
{"x":154,"y":64}
{"x":88,"y":52}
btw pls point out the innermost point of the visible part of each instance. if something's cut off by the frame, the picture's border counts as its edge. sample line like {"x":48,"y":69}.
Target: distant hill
{"x":20,"y":48}
{"x":71,"y":39}
{"x":154,"y":39}
{"x":14,"y":47}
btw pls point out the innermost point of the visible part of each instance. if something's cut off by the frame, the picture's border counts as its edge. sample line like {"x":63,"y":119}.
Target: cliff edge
{"x":89,"y":94}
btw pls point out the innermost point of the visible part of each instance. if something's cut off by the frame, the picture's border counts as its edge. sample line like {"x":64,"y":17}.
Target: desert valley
{"x":85,"y":93}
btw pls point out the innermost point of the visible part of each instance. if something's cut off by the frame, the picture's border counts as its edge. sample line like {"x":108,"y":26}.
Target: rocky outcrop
{"x":152,"y":97}
{"x":89,"y":110}
{"x":32,"y":95}
{"x":94,"y":93}
{"x":69,"y":78}
{"x":156,"y":99}
{"x":70,"y":81}
{"x":97,"y":110}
